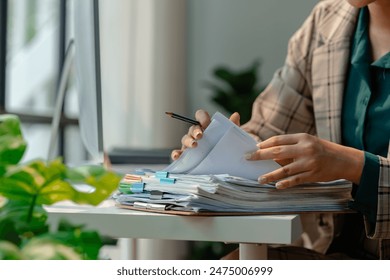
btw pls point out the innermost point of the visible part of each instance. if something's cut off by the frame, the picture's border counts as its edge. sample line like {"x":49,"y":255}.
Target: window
{"x":34,"y":41}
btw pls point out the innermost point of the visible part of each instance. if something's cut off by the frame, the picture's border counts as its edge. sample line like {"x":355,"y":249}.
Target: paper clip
{"x":152,"y":206}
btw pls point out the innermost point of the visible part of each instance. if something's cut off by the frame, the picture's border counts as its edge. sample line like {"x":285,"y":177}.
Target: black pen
{"x":182,"y":118}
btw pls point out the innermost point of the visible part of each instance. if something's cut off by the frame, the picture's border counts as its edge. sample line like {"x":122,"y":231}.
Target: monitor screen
{"x":88,"y":76}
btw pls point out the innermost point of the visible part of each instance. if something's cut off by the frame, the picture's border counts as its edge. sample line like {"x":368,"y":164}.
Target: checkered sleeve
{"x":382,"y":226}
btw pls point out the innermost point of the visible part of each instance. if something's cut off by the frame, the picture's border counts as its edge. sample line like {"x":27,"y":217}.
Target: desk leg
{"x":253,"y":251}
{"x":128,"y":248}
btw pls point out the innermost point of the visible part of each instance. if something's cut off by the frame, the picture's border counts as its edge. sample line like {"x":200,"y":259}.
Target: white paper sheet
{"x":222,"y":151}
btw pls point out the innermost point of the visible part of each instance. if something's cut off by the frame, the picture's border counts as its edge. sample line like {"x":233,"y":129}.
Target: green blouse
{"x":366,"y":114}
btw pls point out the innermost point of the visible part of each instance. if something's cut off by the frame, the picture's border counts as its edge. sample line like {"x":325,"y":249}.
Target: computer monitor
{"x":88,"y":76}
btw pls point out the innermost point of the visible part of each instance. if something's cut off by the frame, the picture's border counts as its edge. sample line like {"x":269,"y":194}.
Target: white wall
{"x":235,"y":33}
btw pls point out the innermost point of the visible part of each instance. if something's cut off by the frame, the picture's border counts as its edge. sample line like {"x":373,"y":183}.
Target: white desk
{"x":248,"y":231}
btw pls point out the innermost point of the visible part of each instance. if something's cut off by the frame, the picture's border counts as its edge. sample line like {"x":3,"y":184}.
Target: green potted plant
{"x":26,"y":187}
{"x":236,"y":90}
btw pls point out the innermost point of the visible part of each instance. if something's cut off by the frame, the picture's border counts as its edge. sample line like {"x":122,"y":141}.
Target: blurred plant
{"x":24,"y":231}
{"x":235,"y":91}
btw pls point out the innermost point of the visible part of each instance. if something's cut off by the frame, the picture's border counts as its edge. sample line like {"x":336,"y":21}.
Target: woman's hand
{"x":195,"y":132}
{"x":306,"y":159}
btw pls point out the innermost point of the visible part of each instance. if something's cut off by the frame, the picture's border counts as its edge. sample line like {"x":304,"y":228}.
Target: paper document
{"x":224,"y":193}
{"x":222,"y":151}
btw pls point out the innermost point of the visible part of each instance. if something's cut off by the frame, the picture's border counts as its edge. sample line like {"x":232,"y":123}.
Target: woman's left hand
{"x":306,"y":159}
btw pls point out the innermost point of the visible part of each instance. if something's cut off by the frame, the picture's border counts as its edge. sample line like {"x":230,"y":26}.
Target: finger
{"x":175,"y":154}
{"x":288,"y":139}
{"x":282,"y":173}
{"x":196,"y":132}
{"x":235,"y":118}
{"x":292,"y":181}
{"x":203,"y":117}
{"x":188,"y":142}
{"x":277,"y":153}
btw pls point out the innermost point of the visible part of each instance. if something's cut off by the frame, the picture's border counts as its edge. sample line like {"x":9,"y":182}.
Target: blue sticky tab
{"x":137,"y":187}
{"x":167,"y":180}
{"x":162,"y":174}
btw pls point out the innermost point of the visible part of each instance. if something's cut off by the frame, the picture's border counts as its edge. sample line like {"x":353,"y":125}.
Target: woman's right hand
{"x":195,"y":132}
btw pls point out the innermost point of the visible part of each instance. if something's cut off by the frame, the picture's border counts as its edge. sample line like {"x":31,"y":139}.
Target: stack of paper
{"x":216,"y":177}
{"x":225,"y":193}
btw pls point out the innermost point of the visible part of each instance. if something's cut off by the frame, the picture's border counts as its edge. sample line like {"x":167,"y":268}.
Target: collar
{"x":338,"y":21}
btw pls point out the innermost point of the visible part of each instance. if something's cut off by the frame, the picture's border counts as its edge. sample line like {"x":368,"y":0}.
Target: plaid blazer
{"x":306,"y":94}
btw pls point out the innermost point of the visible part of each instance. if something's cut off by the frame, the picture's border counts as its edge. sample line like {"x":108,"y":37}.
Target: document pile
{"x":216,"y":177}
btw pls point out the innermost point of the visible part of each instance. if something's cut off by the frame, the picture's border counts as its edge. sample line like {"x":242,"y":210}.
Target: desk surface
{"x":124,"y":223}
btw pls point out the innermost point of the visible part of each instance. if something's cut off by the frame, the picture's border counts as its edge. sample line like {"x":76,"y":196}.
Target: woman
{"x":326,"y":116}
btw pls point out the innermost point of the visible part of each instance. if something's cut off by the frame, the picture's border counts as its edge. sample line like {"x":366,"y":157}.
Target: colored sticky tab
{"x":137,"y":187}
{"x":124,"y":185}
{"x":139,"y":172}
{"x":167,"y":180}
{"x":125,"y":189}
{"x":162,"y":174}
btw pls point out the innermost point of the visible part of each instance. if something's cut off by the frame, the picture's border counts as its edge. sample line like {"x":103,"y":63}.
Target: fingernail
{"x":194,"y":144}
{"x":248,"y":156}
{"x":198,"y":134}
{"x":279,"y":185}
{"x":258,"y":145}
{"x":175,"y":156}
{"x":262,"y":180}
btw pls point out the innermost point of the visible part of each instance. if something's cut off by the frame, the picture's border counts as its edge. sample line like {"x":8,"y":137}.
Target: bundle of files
{"x":225,"y":193}
{"x":216,"y":177}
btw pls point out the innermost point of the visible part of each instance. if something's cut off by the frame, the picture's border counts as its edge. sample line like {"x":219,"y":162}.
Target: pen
{"x":182,"y":118}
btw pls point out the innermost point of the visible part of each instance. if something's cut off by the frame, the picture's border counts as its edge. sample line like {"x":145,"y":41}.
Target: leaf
{"x":17,"y":225}
{"x":53,"y":182}
{"x":103,"y":181}
{"x":9,"y":251}
{"x":86,"y":242}
{"x":12,"y":144}
{"x":223,"y":73}
{"x":8,"y":231}
{"x":17,"y":190}
{"x":46,"y":248}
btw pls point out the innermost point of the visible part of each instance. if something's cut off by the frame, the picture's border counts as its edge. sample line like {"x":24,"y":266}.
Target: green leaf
{"x":17,"y":223}
{"x":56,"y":191}
{"x":236,"y":90}
{"x":104,"y":182}
{"x":9,"y":251}
{"x":17,"y":190}
{"x":53,"y":182}
{"x":46,"y":248}
{"x":12,"y":144}
{"x":86,"y":242}
{"x":28,"y":186}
